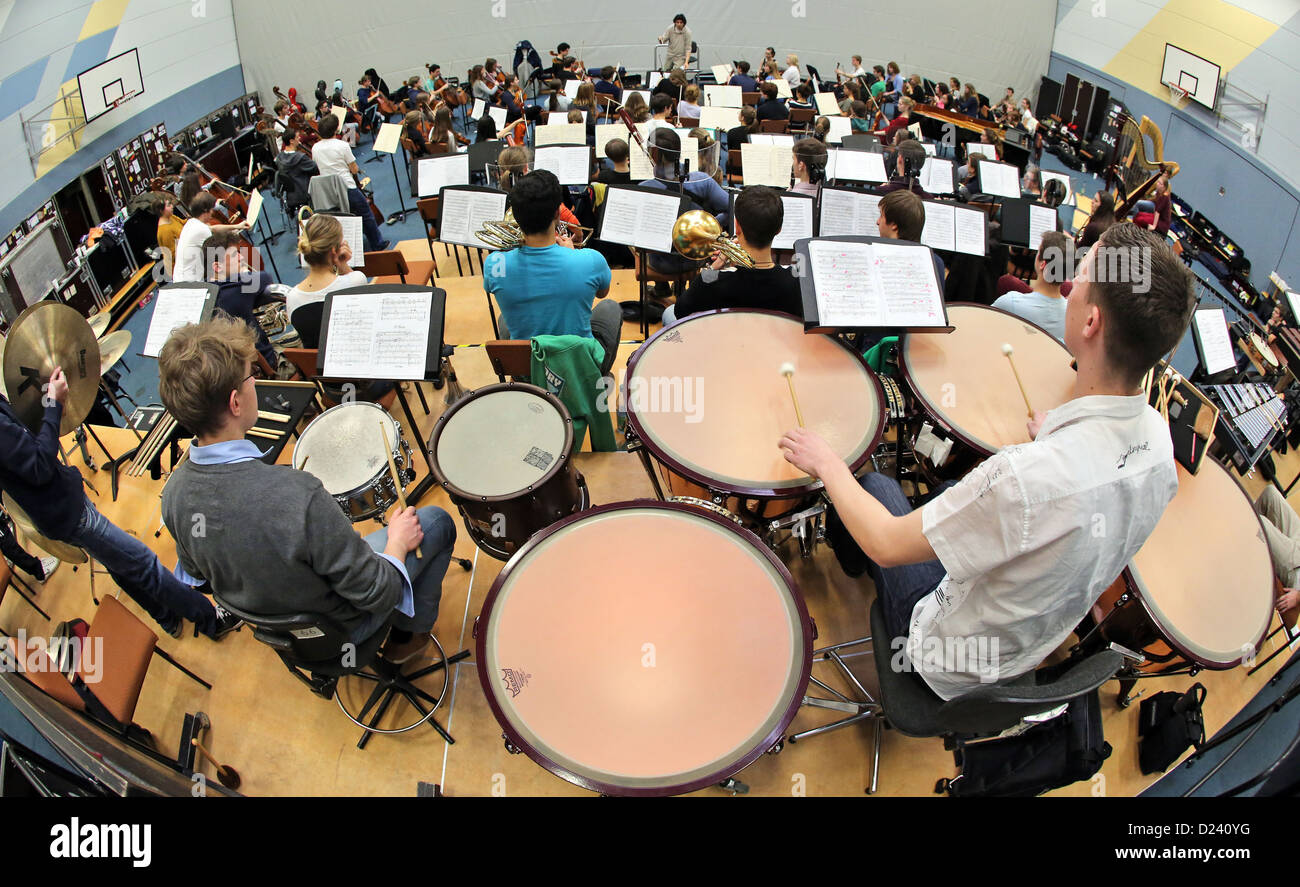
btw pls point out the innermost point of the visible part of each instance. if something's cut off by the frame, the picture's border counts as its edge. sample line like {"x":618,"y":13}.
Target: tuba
{"x":697,"y":235}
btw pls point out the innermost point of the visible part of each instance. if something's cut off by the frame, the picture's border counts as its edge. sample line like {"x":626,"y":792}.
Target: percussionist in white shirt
{"x":1011,"y":555}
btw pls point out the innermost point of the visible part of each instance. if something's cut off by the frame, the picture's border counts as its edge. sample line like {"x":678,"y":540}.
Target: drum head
{"x":707,"y":398}
{"x":966,"y":383}
{"x":1204,"y":574}
{"x":647,"y":683}
{"x":501,"y":440}
{"x":346,"y":446}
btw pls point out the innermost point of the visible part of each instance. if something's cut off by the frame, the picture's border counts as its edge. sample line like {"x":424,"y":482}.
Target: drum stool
{"x":988,"y":712}
{"x":314,"y":648}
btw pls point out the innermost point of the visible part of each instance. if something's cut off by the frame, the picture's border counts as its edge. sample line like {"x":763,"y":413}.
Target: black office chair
{"x":908,"y":705}
{"x":318,"y":652}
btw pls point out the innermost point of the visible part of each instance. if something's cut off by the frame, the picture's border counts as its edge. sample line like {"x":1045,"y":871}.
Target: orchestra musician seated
{"x":619,"y":155}
{"x":296,"y":166}
{"x":909,"y":161}
{"x":1044,"y":304}
{"x":308,"y":556}
{"x":240,"y":290}
{"x":1282,"y":533}
{"x":758,"y":216}
{"x":771,"y":107}
{"x":808,"y":166}
{"x":902,"y":217}
{"x":327,"y":254}
{"x":1009,"y":555}
{"x":742,"y":79}
{"x":545,"y":287}
{"x":189,"y":263}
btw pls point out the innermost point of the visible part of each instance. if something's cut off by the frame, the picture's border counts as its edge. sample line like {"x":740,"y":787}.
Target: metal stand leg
{"x":427,"y":481}
{"x":400,"y":215}
{"x":266,"y":250}
{"x":182,"y":669}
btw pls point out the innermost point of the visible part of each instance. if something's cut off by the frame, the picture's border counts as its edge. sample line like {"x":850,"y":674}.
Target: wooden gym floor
{"x":284,"y":740}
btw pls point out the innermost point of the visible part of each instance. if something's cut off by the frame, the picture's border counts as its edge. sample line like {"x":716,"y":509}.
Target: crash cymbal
{"x":69,"y":554}
{"x":111,"y":349}
{"x":45,"y":336}
{"x":99,"y":323}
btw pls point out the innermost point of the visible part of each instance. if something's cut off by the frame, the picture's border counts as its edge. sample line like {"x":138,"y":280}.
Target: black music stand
{"x":433,"y":357}
{"x":400,"y":215}
{"x":268,"y":240}
{"x":287,"y":397}
{"x":455,"y":244}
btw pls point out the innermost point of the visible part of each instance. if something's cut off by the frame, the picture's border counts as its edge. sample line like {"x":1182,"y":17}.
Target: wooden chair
{"x":605,"y":104}
{"x":801,"y":119}
{"x":774,"y":126}
{"x":734,"y":174}
{"x":511,"y":357}
{"x":646,"y":275}
{"x":391,"y":263}
{"x":750,"y":98}
{"x":6,"y":577}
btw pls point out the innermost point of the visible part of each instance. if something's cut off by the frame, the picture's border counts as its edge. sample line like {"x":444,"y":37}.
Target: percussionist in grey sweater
{"x":269,"y":539}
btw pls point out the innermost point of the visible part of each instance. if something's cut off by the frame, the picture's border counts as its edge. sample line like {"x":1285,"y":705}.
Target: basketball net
{"x":1176,"y":93}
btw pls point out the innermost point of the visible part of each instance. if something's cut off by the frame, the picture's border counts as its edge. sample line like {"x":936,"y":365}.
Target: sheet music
{"x":855,"y":166}
{"x":847,"y":294}
{"x":771,"y":138}
{"x":827,"y":104}
{"x":571,"y":89}
{"x":352,"y":236}
{"x":561,"y":118}
{"x":390,"y":136}
{"x":849,"y":212}
{"x":254,"y":206}
{"x":982,"y":149}
{"x":464,"y":212}
{"x":432,"y":173}
{"x":560,"y":134}
{"x":480,"y":108}
{"x":340,"y":112}
{"x":766,"y":165}
{"x":1061,"y":177}
{"x":940,"y":226}
{"x":173,"y":307}
{"x":906,"y":278}
{"x":840,"y":127}
{"x":721,"y":73}
{"x":499,"y":115}
{"x":719,"y":118}
{"x":655,"y":77}
{"x":571,"y":165}
{"x":1216,"y":344}
{"x":782,"y":88}
{"x":1041,"y":220}
{"x":378,"y":335}
{"x":644,"y":93}
{"x":639,"y":166}
{"x":937,"y":176}
{"x":929,"y":148}
{"x":999,"y":179}
{"x":607,"y":132}
{"x":723,"y":96}
{"x":796,"y":222}
{"x":970,"y":231}
{"x":1293,"y":299}
{"x":640,"y":219}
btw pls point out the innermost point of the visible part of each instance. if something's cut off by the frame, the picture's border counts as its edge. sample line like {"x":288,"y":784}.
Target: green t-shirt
{"x":878,"y":87}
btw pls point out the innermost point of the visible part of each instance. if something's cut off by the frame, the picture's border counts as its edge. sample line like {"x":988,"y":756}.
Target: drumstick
{"x":1008,"y":351}
{"x":397,"y":481}
{"x":787,"y":370}
{"x":303,"y":466}
{"x":264,"y":432}
{"x":273,"y":417}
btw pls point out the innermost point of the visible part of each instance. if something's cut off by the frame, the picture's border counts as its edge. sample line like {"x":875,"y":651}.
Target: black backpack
{"x":1066,"y":749}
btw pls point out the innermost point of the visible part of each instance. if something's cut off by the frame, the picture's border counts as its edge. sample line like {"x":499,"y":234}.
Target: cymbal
{"x":99,"y":323}
{"x":69,"y":554}
{"x":3,"y":391}
{"x":111,"y":349}
{"x":45,"y":336}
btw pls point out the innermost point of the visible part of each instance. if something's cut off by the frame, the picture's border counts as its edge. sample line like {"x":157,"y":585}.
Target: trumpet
{"x":697,"y":235}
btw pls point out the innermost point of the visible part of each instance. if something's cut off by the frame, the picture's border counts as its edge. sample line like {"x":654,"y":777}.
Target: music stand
{"x":432,"y":356}
{"x":456,"y":244}
{"x":388,"y":141}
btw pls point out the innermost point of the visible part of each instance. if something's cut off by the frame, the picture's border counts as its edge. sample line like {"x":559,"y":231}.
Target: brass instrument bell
{"x":697,"y":235}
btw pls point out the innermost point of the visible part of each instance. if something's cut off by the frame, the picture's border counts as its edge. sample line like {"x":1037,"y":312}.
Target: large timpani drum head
{"x":652,"y":682}
{"x":966,"y":383}
{"x":345,"y":446}
{"x":1204,"y":575}
{"x":501,"y":440}
{"x":707,"y":398}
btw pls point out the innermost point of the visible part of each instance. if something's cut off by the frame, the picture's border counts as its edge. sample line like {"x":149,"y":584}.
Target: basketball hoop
{"x":1176,"y":93}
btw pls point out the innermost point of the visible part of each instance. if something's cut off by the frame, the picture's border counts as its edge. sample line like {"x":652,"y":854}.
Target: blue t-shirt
{"x":744,"y":81}
{"x":701,"y":188}
{"x":546,"y":290}
{"x":1047,"y":312}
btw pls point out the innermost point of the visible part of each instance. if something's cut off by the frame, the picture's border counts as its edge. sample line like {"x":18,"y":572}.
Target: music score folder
{"x":382,"y":332}
{"x":175,"y":305}
{"x":856,"y":283}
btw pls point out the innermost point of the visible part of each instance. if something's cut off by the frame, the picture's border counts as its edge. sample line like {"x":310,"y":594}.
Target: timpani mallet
{"x":226,"y":775}
{"x":397,"y":480}
{"x":787,"y":370}
{"x":1008,"y":351}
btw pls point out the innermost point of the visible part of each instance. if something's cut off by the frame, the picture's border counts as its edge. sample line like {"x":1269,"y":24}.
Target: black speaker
{"x":1049,"y":98}
{"x":1100,"y":108}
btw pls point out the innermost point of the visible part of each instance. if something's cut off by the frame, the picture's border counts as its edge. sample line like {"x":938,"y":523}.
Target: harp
{"x":1134,"y":167}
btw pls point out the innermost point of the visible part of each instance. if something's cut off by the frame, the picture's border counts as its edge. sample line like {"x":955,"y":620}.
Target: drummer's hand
{"x":1289,"y":599}
{"x":404,"y":533}
{"x":1036,"y":423}
{"x":58,"y":386}
{"x":808,"y":452}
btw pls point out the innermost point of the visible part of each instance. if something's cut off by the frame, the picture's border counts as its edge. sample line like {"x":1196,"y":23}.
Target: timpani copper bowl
{"x":502,"y":455}
{"x":651,"y":682}
{"x":706,"y":402}
{"x":964,"y":387}
{"x":1199,"y":593}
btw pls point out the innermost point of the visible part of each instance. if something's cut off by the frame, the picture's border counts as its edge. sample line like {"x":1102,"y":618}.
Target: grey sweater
{"x":271,"y":541}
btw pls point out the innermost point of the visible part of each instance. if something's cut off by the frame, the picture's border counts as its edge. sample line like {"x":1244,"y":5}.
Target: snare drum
{"x":964,"y":387}
{"x":502,"y":455}
{"x":650,"y":682}
{"x":346,"y":451}
{"x":1200,"y":590}
{"x":706,"y":400}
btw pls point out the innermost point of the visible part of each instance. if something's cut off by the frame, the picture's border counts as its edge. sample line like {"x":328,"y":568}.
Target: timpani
{"x":722,"y":446}
{"x":965,"y":388}
{"x":649,"y":682}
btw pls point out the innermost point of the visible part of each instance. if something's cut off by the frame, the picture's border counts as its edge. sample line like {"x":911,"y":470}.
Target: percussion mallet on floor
{"x":787,"y":370}
{"x":226,"y":775}
{"x":1008,"y":351}
{"x":397,"y":480}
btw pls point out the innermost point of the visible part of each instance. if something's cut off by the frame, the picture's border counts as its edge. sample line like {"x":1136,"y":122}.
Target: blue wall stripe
{"x":19,"y":88}
{"x":89,"y":52}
